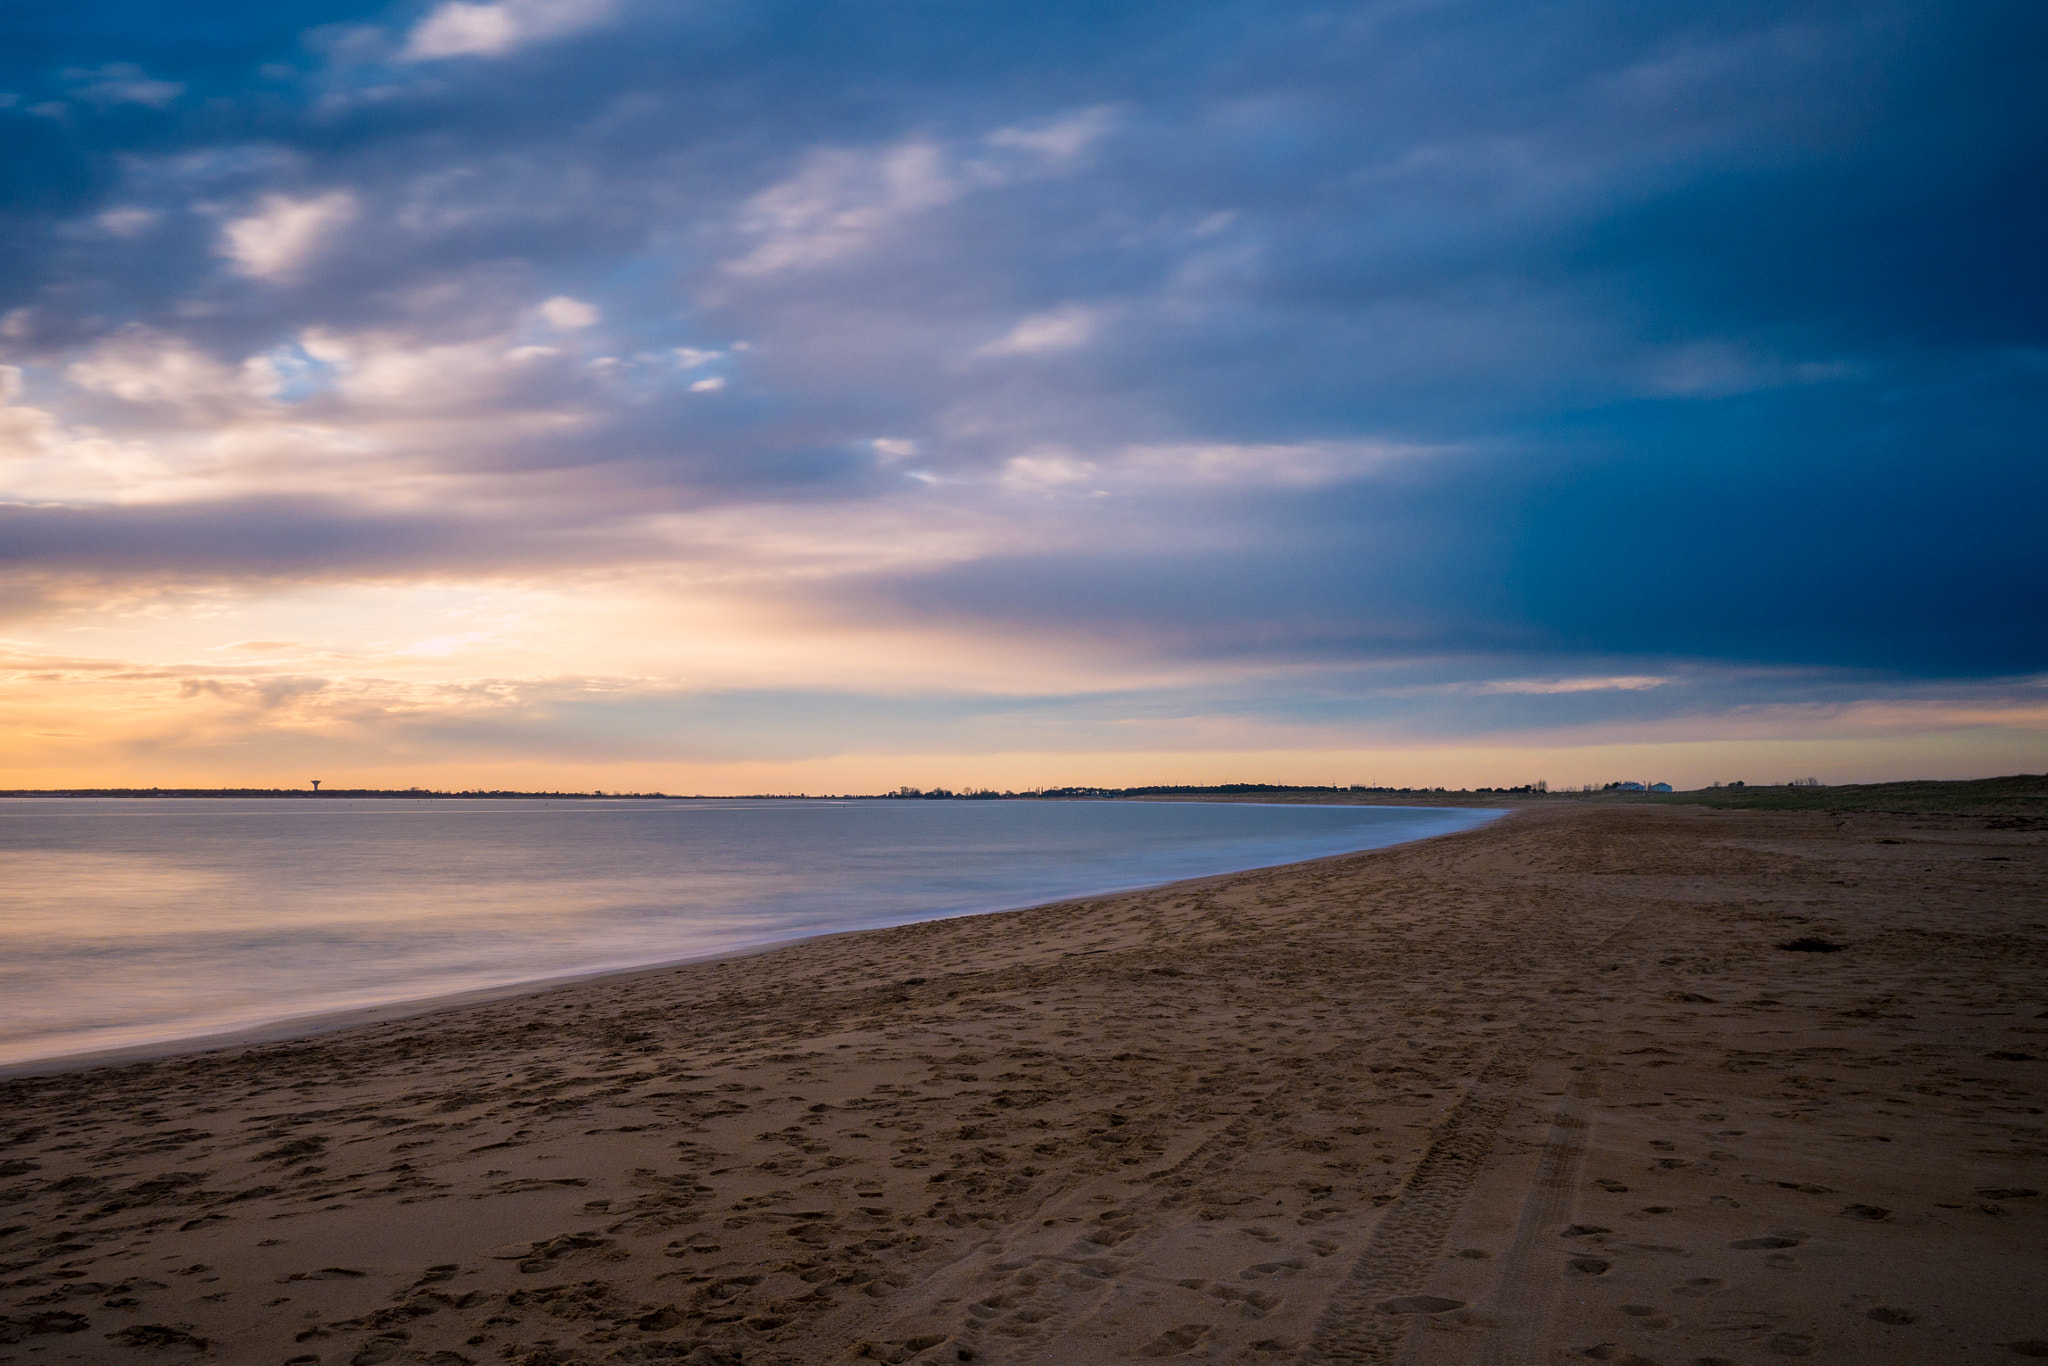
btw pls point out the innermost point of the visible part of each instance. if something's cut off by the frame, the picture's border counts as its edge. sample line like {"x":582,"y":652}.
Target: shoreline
{"x":1554,"y":1085}
{"x":314,"y":1024}
{"x":317,"y":1024}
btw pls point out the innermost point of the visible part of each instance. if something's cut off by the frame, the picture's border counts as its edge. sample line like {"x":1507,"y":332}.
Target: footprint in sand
{"x":1700,"y":1285}
{"x":1885,"y":1313}
{"x":158,"y":1335}
{"x":1175,"y":1340}
{"x":1254,"y":1304}
{"x":903,"y":1349}
{"x":1609,"y":1351}
{"x":325,"y":1273}
{"x":1251,"y":1273}
{"x":35,"y":1325}
{"x":1419,"y":1304}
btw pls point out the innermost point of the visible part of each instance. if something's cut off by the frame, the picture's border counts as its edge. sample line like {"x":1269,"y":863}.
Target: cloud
{"x":252,"y":536}
{"x":838,"y":203}
{"x":127,"y":222}
{"x":1550,"y":687}
{"x":1060,"y":140}
{"x":569,"y":314}
{"x":1707,"y":369}
{"x":459,"y":29}
{"x":1298,"y":466}
{"x":843,"y":200}
{"x":122,"y":83}
{"x":1060,"y":329}
{"x":388,"y":373}
{"x":281,"y":239}
{"x":1172,"y":470}
{"x":138,"y":364}
{"x":1043,"y":472}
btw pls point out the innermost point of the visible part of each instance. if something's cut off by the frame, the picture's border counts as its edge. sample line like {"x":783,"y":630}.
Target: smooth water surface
{"x":127,"y":921}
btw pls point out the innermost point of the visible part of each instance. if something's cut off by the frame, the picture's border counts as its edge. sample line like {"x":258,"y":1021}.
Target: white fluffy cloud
{"x":843,"y":200}
{"x":141,"y":365}
{"x":459,"y":29}
{"x":282,"y":237}
{"x":569,"y":314}
{"x":839,"y":202}
{"x":1045,"y":471}
{"x":43,"y":458}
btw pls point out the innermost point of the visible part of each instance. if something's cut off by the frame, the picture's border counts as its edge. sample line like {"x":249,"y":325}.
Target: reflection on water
{"x":125,"y":921}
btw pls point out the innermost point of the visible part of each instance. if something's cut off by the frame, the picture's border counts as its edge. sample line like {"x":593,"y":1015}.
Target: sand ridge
{"x":1543,"y":1091}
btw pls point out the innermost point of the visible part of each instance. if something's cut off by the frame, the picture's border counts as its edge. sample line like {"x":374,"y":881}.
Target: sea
{"x":127,"y":922}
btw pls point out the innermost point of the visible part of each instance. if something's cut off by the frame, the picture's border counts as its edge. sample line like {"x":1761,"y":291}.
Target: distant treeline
{"x":2017,"y":795}
{"x":1268,"y":789}
{"x":2023,"y":796}
{"x":1212,"y":790}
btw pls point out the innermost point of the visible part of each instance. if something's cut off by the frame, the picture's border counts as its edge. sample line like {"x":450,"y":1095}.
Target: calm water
{"x":132,"y":921}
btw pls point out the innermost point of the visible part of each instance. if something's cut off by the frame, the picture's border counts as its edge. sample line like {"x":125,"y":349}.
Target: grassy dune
{"x":2021,"y":794}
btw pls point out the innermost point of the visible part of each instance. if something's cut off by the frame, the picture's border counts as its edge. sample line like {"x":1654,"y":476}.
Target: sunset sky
{"x":734,"y":396}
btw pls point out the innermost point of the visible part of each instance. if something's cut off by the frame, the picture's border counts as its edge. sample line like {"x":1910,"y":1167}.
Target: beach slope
{"x":1634,"y":1084}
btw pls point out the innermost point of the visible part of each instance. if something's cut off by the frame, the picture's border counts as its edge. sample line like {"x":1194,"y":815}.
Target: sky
{"x":745,"y":396}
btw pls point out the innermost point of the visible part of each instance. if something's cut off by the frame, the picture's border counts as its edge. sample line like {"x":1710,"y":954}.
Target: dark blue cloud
{"x":1846,"y":525}
{"x":274,"y":537}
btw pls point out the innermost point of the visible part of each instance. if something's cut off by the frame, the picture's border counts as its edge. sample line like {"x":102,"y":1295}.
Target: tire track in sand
{"x":1366,"y":1320}
{"x":1526,"y":1302}
{"x":1025,"y":1288}
{"x":1405,"y":1244}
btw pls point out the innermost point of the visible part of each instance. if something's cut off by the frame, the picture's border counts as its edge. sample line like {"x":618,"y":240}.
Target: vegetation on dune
{"x":2019,"y":794}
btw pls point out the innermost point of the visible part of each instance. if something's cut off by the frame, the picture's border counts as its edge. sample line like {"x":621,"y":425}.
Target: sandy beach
{"x":1550,"y":1090}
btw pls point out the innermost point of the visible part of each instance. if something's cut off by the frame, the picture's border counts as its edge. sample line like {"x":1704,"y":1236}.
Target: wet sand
{"x":1550,"y":1090}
